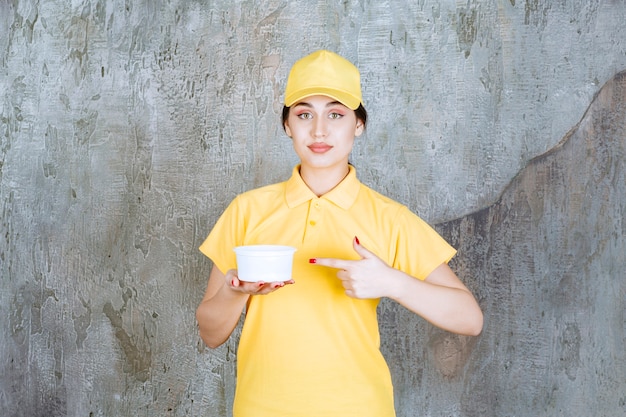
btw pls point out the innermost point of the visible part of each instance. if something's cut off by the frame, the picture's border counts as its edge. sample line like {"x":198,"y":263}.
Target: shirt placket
{"x":314,"y":219}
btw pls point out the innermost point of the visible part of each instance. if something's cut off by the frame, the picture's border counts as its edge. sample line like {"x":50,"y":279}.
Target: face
{"x":323,"y":131}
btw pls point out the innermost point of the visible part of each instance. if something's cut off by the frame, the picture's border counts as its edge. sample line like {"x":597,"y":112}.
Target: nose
{"x":320,"y":128}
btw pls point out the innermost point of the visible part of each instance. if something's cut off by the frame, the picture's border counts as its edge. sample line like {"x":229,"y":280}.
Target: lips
{"x":319,"y":147}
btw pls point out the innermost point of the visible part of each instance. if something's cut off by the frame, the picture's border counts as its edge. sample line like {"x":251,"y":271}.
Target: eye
{"x":335,"y":115}
{"x":305,"y":115}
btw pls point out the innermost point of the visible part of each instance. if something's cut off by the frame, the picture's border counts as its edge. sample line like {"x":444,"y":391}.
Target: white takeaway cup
{"x":267,"y":263}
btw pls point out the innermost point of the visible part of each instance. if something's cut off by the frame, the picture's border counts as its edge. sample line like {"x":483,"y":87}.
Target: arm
{"x":220,"y":309}
{"x":223,"y":303}
{"x":441,"y":298}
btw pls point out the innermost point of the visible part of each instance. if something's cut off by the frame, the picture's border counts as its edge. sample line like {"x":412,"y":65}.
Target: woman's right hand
{"x":224,"y":300}
{"x":253,"y":288}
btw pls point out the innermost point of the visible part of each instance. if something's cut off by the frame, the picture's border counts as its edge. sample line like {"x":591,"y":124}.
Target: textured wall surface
{"x":127,"y":126}
{"x":547,"y":262}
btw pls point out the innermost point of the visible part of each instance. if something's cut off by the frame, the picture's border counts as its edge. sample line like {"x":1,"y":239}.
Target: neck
{"x":322,"y":180}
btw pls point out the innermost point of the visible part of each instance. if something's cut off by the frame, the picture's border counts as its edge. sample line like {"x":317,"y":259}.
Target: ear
{"x":360,"y":128}
{"x":287,"y":129}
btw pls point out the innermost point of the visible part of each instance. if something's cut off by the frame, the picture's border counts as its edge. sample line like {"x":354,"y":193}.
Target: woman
{"x":310,"y":346}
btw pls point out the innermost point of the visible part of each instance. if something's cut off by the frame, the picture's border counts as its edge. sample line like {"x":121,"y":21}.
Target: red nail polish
{"x":312,"y":260}
{"x":261,"y":284}
{"x":357,"y":240}
{"x":232,"y":283}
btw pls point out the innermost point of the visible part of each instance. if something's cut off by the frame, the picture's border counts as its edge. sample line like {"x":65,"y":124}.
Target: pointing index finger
{"x":331,"y":262}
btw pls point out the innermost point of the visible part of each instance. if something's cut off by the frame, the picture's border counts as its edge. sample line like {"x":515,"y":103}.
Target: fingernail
{"x":261,"y":284}
{"x":232,"y":283}
{"x":312,"y":260}
{"x":357,"y":240}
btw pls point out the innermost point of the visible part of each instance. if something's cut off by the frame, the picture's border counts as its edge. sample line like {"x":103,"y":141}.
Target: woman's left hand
{"x":361,"y":278}
{"x":441,"y":298}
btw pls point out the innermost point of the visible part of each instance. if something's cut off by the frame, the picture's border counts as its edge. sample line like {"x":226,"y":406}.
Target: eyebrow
{"x":330,"y":104}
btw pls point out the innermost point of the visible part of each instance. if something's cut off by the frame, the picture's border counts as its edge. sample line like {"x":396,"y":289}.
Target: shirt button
{"x":317,"y":205}
{"x":312,"y":222}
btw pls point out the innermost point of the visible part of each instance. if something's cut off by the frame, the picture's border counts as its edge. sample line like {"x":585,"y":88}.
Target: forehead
{"x":318,"y":101}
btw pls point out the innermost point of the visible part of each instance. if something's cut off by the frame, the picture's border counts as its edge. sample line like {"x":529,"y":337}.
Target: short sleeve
{"x":226,"y":235}
{"x":419,"y":249}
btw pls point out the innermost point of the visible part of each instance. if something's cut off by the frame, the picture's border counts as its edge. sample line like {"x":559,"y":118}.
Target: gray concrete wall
{"x":127,"y":126}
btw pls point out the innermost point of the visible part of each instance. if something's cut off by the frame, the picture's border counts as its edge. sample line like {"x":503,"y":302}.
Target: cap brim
{"x":344,"y":98}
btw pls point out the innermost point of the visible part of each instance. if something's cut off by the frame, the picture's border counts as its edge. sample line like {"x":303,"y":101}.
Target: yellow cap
{"x":324,"y":73}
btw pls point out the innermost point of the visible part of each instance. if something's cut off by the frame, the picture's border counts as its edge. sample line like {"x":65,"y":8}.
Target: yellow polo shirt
{"x":308,"y":349}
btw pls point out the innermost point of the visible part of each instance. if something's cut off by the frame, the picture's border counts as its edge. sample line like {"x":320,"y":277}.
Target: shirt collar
{"x":343,"y":195}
